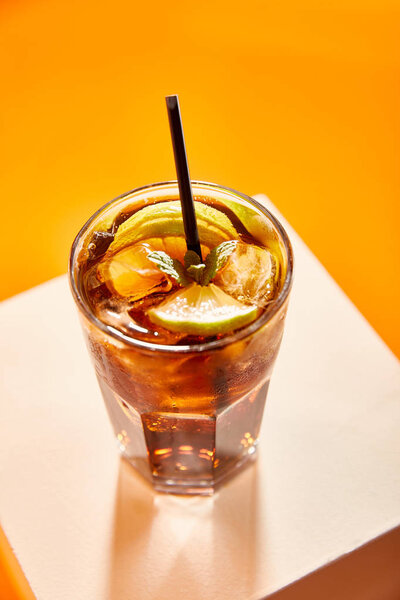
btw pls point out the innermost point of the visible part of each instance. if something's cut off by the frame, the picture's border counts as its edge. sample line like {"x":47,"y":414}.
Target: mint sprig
{"x":217,"y":259}
{"x":170,"y":266}
{"x":197,"y":272}
{"x":191,"y":259}
{"x":193,"y":269}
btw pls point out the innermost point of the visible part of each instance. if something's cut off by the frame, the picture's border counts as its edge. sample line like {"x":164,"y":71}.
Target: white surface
{"x":84,"y":526}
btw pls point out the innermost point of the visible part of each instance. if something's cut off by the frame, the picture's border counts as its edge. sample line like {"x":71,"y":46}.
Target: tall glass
{"x":186,"y":417}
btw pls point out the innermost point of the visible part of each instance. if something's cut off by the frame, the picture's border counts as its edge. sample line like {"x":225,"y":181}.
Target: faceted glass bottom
{"x":188,"y":453}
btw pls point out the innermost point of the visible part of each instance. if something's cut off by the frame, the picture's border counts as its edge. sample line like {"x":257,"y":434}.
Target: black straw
{"x":182,"y":172}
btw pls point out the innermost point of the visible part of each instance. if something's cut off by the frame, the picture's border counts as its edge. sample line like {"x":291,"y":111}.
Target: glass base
{"x":187,"y":487}
{"x":187,"y":453}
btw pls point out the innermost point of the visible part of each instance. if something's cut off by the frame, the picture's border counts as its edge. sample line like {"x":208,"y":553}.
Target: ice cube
{"x":129,"y":273}
{"x":131,"y":319}
{"x":249,"y":275}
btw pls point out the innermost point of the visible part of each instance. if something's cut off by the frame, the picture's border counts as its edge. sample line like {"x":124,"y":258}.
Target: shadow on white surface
{"x":225,"y":524}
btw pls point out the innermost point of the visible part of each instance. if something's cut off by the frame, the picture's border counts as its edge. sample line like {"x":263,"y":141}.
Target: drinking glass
{"x":187,"y":417}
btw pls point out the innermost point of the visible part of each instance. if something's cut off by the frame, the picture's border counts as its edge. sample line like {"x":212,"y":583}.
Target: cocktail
{"x":183,"y":342}
{"x":184,"y":383}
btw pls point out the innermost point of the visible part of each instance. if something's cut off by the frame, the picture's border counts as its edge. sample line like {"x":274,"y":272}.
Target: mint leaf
{"x":170,"y":266}
{"x":191,"y":258}
{"x":196,"y":271}
{"x":164,"y":262}
{"x":183,"y":278}
{"x":216,"y":259}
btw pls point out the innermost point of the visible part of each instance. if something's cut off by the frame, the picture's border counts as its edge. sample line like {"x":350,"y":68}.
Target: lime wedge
{"x":202,"y":310}
{"x":256,"y":223}
{"x":164,"y":219}
{"x":258,"y":226}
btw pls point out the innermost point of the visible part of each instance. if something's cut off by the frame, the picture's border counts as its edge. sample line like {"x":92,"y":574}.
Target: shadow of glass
{"x":133,"y":514}
{"x":370,"y":573}
{"x":167,"y":546}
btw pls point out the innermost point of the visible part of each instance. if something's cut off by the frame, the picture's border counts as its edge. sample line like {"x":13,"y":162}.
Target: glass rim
{"x":241,"y":334}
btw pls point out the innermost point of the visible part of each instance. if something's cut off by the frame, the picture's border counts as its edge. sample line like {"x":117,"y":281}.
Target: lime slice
{"x":131,"y":274}
{"x":164,"y":219}
{"x":202,"y":310}
{"x":259,"y":226}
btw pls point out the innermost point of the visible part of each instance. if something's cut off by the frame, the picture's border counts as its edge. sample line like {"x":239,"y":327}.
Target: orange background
{"x":299,"y":100}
